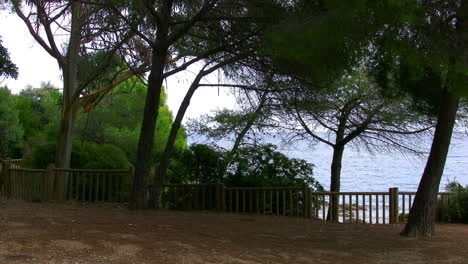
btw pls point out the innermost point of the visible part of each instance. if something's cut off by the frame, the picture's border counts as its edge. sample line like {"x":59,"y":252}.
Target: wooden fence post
{"x":5,"y":179}
{"x":309,"y":203}
{"x":306,"y":201}
{"x":218,"y":195}
{"x":393,"y":205}
{"x":51,"y":183}
{"x":131,"y":174}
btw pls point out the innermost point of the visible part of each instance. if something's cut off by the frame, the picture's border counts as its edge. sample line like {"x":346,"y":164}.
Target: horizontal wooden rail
{"x":350,"y":193}
{"x":115,"y":185}
{"x":188,"y":185}
{"x":27,"y":170}
{"x":285,"y":201}
{"x":264,"y":188}
{"x":192,"y":196}
{"x":91,"y":170}
{"x":68,"y":184}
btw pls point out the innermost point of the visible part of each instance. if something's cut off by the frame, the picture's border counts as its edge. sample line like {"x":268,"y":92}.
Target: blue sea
{"x":362,"y":171}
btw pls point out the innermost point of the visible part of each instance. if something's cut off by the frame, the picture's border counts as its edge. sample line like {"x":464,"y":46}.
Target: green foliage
{"x":85,"y":155}
{"x":39,"y":110}
{"x":11,"y":132}
{"x":320,"y":39}
{"x":89,"y":62}
{"x":225,"y":124}
{"x":198,"y":164}
{"x":259,"y":166}
{"x":7,"y":68}
{"x":458,"y":203}
{"x":264,"y":166}
{"x":422,"y":52}
{"x":29,"y":119}
{"x":117,"y":120}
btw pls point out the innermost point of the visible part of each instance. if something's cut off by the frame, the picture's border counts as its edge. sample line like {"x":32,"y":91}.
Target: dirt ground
{"x":108,"y":233}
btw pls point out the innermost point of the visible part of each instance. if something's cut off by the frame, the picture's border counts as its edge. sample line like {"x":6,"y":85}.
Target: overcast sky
{"x":35,"y":65}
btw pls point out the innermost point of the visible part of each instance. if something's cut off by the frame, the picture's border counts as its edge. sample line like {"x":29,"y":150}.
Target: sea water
{"x":376,"y":172}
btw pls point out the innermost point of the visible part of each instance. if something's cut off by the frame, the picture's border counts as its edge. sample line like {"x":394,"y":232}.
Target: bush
{"x":264,"y":166}
{"x":198,"y":164}
{"x":85,"y":155}
{"x":258,"y":166}
{"x":457,"y":210}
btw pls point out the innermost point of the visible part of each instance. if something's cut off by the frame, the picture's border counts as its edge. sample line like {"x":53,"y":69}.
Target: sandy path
{"x":108,"y":233}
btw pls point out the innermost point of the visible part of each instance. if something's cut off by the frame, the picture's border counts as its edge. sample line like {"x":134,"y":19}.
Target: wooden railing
{"x":352,"y":207}
{"x":67,"y":184}
{"x":285,"y":201}
{"x":114,"y":186}
{"x":96,"y":185}
{"x":11,"y":163}
{"x":15,"y":163}
{"x":26,"y":184}
{"x":192,"y":196}
{"x":372,"y":207}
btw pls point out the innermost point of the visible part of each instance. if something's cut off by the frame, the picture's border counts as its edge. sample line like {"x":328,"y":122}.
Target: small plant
{"x":403,"y":217}
{"x":457,"y":209}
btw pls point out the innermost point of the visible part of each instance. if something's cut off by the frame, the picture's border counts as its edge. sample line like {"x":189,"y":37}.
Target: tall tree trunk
{"x":65,"y":138}
{"x":164,"y":162}
{"x":70,"y":71}
{"x":335,"y":180}
{"x":422,"y":215}
{"x":69,"y":106}
{"x":161,"y":170}
{"x":139,"y":195}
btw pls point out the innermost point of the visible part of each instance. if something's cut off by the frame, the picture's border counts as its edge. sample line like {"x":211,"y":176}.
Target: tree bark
{"x":422,"y":214}
{"x":139,"y":195}
{"x":335,"y":180}
{"x":70,"y":71}
{"x":69,"y":106}
{"x":161,"y":170}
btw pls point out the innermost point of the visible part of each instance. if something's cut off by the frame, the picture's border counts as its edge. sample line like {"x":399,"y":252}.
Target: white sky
{"x":36,"y":65}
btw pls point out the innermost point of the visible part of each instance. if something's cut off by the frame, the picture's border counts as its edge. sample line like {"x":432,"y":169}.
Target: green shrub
{"x":85,"y":155}
{"x":457,"y":210}
{"x":264,"y":166}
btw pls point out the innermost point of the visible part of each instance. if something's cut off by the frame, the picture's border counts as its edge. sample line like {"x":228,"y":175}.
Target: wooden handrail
{"x":91,"y":170}
{"x":106,"y":185}
{"x":265,"y":188}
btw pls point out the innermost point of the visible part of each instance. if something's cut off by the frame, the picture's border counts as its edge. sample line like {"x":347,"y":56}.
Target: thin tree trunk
{"x":241,"y":136}
{"x":161,"y":170}
{"x":422,"y":215}
{"x":335,"y":182}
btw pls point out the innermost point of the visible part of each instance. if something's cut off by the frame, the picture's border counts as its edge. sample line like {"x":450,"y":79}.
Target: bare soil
{"x":109,"y":233}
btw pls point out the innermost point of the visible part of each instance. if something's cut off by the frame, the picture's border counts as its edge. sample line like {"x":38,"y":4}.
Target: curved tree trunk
{"x":250,"y":122}
{"x":161,"y":170}
{"x":422,"y":215}
{"x":335,"y":182}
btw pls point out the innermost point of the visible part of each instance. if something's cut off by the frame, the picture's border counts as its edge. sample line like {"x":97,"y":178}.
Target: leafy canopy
{"x":7,"y":67}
